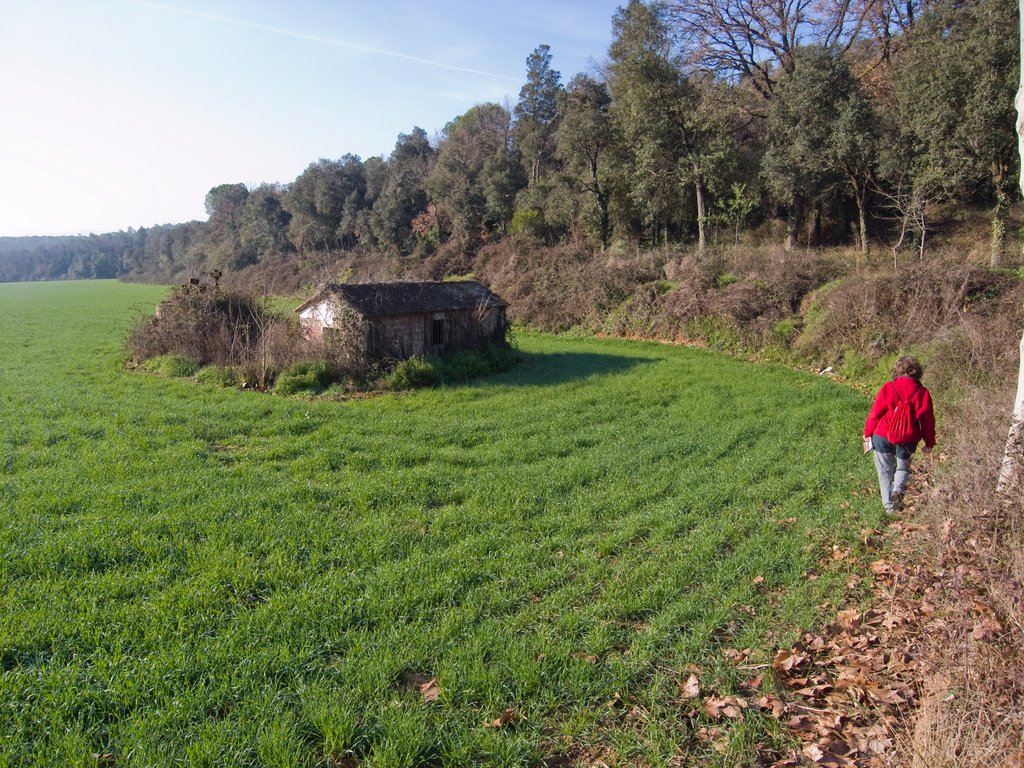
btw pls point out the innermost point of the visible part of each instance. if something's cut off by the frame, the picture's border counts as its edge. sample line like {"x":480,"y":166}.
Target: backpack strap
{"x":896,"y":392}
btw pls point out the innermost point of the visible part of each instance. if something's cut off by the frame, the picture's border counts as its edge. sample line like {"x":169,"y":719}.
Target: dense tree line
{"x":845,"y":121}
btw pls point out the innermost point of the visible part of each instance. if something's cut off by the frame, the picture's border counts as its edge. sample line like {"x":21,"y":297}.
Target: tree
{"x":889,"y":21}
{"x":676,"y":130}
{"x":758,"y":41}
{"x":853,"y":146}
{"x":225,"y":205}
{"x":398,"y":190}
{"x":651,"y":106}
{"x":1013,"y":455}
{"x":955,"y":86}
{"x":476,"y":176}
{"x":315,"y":201}
{"x":537,"y":112}
{"x":583,"y":139}
{"x":817,"y":133}
{"x":264,"y":227}
{"x":735,"y":207}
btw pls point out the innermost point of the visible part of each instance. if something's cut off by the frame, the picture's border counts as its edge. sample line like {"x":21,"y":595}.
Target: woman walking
{"x":901,"y":417}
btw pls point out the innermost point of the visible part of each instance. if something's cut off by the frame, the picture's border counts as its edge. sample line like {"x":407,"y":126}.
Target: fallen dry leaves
{"x":717,"y":707}
{"x":689,"y":689}
{"x":851,"y":691}
{"x":842,"y":692}
{"x":509,"y":717}
{"x":849,"y":686}
{"x":430,"y":689}
{"x":848,"y":693}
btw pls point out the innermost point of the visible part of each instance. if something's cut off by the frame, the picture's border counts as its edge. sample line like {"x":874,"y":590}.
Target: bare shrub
{"x":741,"y":302}
{"x":451,"y":258}
{"x":222,"y":328}
{"x":973,"y":651}
{"x":693,"y":271}
{"x":563,"y":287}
{"x":786,"y":276}
{"x":207,"y":326}
{"x":742,"y":292}
{"x":278,"y":346}
{"x":967,"y":315}
{"x":341,"y":348}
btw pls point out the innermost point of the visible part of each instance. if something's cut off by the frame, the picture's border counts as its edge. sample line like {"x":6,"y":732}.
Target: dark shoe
{"x":897,"y":500}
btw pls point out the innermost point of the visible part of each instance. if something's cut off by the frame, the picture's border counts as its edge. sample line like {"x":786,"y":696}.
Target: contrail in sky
{"x":325,"y":40}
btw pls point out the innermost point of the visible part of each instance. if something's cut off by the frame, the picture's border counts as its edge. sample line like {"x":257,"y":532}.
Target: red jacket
{"x":910,"y":391}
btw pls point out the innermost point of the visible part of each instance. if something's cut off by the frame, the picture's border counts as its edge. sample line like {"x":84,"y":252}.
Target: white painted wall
{"x":322,"y":313}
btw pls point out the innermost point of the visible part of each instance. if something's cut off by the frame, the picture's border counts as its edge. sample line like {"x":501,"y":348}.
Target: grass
{"x":200,"y":576}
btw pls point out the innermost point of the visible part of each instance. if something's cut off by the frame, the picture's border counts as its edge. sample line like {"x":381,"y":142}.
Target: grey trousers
{"x":892,"y":462}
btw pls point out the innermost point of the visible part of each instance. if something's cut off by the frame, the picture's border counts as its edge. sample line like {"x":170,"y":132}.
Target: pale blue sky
{"x":123,"y":113}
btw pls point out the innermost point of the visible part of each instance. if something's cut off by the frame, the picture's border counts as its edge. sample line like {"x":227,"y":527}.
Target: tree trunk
{"x":860,"y":195}
{"x":1014,"y":453}
{"x":606,"y":228}
{"x":702,"y":240}
{"x":601,"y":196}
{"x":796,"y":219}
{"x":999,"y":217}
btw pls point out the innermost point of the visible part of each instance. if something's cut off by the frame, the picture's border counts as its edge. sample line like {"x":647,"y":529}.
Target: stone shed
{"x":405,"y":319}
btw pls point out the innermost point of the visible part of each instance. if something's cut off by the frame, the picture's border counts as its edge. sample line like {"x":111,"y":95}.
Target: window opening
{"x":437,"y":332}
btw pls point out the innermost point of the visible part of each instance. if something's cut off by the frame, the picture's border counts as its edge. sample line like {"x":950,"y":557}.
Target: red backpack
{"x":901,"y":426}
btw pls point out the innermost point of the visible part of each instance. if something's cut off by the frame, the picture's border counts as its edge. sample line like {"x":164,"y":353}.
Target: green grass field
{"x":198,"y":576}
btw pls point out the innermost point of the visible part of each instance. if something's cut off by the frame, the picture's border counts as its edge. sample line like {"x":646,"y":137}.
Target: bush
{"x":309,"y":376}
{"x":469,"y":364}
{"x":965,"y":318}
{"x":462,"y":366}
{"x":412,"y":374}
{"x":219,"y":376}
{"x":208,"y":326}
{"x":221,"y":328}
{"x":172,"y":366}
{"x":784,"y":332}
{"x":555,"y":289}
{"x":718,"y":333}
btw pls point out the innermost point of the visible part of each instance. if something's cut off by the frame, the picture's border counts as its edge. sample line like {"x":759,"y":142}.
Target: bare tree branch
{"x":758,"y":39}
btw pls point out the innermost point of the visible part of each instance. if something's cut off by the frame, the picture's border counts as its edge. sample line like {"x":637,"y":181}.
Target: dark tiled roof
{"x":377,"y":299}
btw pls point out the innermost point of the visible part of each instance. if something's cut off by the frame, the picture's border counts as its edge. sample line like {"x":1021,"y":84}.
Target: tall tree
{"x":583,"y":141}
{"x":537,"y":111}
{"x":475,"y":178}
{"x":816,"y":134}
{"x":650,"y":103}
{"x":316,"y":199}
{"x":221,"y":242}
{"x":955,"y":85}
{"x":757,"y":41}
{"x":264,"y":228}
{"x":399,"y":192}
{"x":889,"y":21}
{"x":674,"y":138}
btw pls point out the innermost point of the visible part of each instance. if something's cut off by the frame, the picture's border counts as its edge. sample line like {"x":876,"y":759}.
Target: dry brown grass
{"x":971,"y":555}
{"x":559,"y":288}
{"x":968,"y":314}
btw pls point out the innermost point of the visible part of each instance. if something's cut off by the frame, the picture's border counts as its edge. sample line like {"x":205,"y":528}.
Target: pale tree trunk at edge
{"x":1014,"y":453}
{"x":702,"y":240}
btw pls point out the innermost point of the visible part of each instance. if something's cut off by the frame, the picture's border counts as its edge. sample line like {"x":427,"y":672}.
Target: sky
{"x":124,"y":113}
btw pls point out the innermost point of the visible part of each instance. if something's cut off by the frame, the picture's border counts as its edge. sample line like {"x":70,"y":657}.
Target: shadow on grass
{"x":538,"y":369}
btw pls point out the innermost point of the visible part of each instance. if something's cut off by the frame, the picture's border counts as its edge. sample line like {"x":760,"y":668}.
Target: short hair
{"x":908,"y":366}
